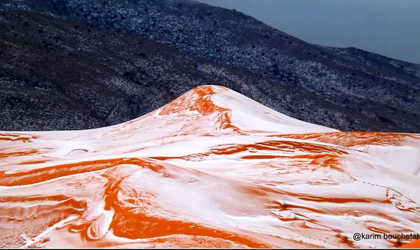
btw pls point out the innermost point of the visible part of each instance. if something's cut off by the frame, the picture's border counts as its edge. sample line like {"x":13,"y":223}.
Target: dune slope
{"x":211,"y":169}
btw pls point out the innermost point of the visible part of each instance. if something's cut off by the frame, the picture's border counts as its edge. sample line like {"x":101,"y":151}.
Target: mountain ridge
{"x":381,"y":94}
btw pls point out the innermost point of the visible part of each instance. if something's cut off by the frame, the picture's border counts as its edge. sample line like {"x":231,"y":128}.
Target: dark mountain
{"x":95,"y":62}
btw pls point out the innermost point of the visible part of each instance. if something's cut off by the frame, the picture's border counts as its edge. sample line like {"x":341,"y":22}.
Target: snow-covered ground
{"x":211,"y":169}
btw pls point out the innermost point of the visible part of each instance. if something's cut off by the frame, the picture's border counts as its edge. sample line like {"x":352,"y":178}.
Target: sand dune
{"x":211,"y":169}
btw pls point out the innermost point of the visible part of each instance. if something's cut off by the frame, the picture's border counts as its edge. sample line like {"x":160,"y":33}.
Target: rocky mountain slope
{"x":212,"y":169}
{"x":348,"y":89}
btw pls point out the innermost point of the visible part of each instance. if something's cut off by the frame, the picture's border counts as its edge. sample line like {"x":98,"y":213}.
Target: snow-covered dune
{"x":210,"y":169}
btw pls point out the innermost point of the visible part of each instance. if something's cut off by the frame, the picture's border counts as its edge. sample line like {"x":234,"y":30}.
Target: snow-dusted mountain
{"x":97,"y":49}
{"x":213,"y":168}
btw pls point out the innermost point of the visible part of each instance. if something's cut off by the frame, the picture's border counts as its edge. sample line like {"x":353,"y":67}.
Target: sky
{"x":387,"y":27}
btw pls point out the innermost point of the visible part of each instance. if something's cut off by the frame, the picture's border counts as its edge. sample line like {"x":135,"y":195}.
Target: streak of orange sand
{"x":414,"y":244}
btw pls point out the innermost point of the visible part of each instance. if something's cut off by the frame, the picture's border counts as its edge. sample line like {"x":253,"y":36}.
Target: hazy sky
{"x":387,"y":27}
